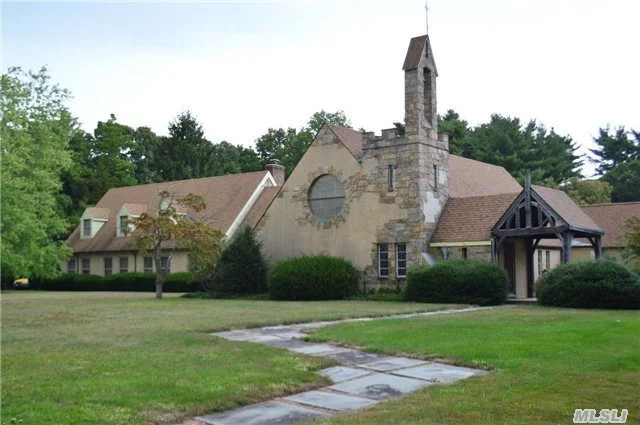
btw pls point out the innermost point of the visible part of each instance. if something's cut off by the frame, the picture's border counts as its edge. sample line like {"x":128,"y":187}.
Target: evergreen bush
{"x":241,"y":268}
{"x":590,"y":284}
{"x":458,"y":281}
{"x":317,"y":277}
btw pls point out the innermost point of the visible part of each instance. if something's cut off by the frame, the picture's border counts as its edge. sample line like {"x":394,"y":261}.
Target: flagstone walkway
{"x":362,"y":379}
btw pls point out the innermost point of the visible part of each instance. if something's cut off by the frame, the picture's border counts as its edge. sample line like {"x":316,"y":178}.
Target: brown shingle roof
{"x":260,"y":206}
{"x":416,"y":47}
{"x":352,"y":139}
{"x":566,"y":208}
{"x":468,"y":177}
{"x":225,"y":197}
{"x":136,"y":209}
{"x":471,"y":219}
{"x":612,"y":218}
{"x":99,"y":213}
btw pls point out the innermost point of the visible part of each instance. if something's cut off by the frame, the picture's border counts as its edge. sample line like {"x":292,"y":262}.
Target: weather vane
{"x":426,"y":13}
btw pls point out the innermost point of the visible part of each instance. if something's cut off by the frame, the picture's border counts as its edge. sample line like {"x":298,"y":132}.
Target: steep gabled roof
{"x":98,"y":213}
{"x":260,"y":206}
{"x":468,"y":177}
{"x":225,"y":197}
{"x":352,"y":139}
{"x":471,"y":219}
{"x":135,"y":209}
{"x":566,"y":208}
{"x":612,"y":218}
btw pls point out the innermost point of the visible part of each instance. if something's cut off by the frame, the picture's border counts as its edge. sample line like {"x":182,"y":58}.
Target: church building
{"x":393,"y":201}
{"x":385,"y":202}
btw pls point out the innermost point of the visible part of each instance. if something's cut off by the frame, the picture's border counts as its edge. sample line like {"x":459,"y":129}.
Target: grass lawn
{"x":126,"y":358}
{"x":547,"y":362}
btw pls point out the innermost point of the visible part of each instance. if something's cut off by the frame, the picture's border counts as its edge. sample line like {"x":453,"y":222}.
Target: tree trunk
{"x":158,"y":290}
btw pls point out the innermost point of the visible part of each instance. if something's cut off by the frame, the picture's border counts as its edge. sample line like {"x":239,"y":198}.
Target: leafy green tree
{"x":289,"y":145}
{"x":35,"y":129}
{"x":632,"y":240}
{"x":615,"y":148}
{"x":142,"y":155}
{"x":111,"y":150}
{"x":318,"y":119}
{"x":242,"y":268}
{"x":624,"y":178}
{"x":457,"y":130}
{"x":175,"y":226}
{"x":185,"y":154}
{"x":518,"y":148}
{"x":587,"y":192}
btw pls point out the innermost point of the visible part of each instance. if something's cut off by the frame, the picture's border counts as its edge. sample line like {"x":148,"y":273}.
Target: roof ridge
{"x":188,"y":180}
{"x":604,"y":204}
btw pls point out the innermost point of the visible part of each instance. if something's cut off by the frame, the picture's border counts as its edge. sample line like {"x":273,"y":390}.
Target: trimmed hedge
{"x":458,"y":281}
{"x":135,"y":282}
{"x":590,"y":284}
{"x":308,"y":278}
{"x":241,"y":267}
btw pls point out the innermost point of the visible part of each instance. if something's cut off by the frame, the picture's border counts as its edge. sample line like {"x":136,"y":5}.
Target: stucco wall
{"x":371,"y":214}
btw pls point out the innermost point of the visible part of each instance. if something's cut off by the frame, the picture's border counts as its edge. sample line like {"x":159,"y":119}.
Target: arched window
{"x":326,"y":197}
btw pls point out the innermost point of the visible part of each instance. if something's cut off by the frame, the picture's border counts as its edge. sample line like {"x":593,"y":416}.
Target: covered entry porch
{"x":537,"y":214}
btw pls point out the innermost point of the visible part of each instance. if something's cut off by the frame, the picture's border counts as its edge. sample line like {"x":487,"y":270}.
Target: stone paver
{"x":392,"y":364}
{"x":439,"y":372}
{"x":267,"y":413}
{"x":354,"y":357}
{"x":340,"y":373}
{"x":331,"y":400}
{"x":363,"y":379}
{"x":318,"y":349}
{"x":380,"y":386}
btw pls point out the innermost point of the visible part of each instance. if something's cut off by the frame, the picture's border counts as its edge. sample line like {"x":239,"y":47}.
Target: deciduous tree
{"x":177,"y":225}
{"x":35,"y":129}
{"x":587,"y":192}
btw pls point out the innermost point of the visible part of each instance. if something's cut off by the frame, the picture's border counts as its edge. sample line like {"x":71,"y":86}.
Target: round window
{"x":326,"y":197}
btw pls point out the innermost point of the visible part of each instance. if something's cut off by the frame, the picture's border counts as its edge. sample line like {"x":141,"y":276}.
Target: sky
{"x":242,"y":67}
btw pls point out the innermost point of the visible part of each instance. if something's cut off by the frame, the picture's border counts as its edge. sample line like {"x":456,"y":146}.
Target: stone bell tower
{"x":421,"y":121}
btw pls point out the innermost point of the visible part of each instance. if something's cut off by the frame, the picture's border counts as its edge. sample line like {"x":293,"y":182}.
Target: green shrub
{"x":241,"y":267}
{"x":137,"y":282}
{"x":382,"y":294}
{"x":134,"y":282}
{"x":72,"y":282}
{"x":590,"y":284}
{"x":458,"y":281}
{"x":317,"y":277}
{"x":179,"y":282}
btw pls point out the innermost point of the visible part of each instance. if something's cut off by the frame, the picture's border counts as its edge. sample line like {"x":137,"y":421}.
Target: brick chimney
{"x":277,"y":171}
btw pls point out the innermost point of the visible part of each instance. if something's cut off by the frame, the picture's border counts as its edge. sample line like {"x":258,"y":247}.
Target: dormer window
{"x":86,"y":227}
{"x":124,"y":227}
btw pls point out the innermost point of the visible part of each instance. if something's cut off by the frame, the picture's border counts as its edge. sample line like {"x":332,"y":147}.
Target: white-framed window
{"x":165,"y":265}
{"x":72,"y":265}
{"x":539,"y":263}
{"x":548,"y":260}
{"x":123,"y":225}
{"x":86,"y":266}
{"x":148,"y":264}
{"x":383,"y":260}
{"x":124,"y":264}
{"x":401,"y":260}
{"x":86,"y":227}
{"x":108,"y":266}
